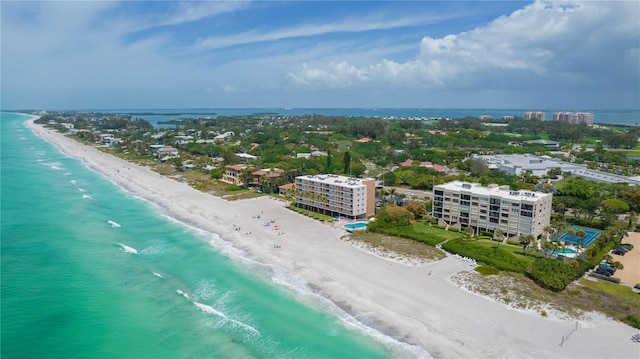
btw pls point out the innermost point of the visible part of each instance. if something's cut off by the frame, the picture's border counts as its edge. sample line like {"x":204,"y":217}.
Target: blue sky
{"x":269,"y":54}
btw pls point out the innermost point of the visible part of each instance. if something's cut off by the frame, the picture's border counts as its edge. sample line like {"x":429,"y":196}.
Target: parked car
{"x":619,"y":251}
{"x":603,"y":271}
{"x":606,"y":264}
{"x":621,"y":247}
{"x":607,"y":269}
{"x":627,"y":246}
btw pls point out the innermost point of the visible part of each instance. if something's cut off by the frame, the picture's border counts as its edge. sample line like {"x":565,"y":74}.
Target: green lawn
{"x":611,"y":288}
{"x":422,"y":227}
{"x":633,"y":153}
{"x":515,"y":250}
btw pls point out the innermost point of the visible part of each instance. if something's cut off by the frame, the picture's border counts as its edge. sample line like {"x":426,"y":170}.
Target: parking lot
{"x":631,"y":261}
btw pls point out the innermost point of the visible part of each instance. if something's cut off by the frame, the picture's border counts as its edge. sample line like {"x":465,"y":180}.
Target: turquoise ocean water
{"x":89,"y":271}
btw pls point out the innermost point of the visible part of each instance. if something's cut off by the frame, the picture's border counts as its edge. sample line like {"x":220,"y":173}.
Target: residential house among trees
{"x":233,"y":174}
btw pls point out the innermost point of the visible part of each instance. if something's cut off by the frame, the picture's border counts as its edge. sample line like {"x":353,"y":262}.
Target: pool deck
{"x":630,"y":275}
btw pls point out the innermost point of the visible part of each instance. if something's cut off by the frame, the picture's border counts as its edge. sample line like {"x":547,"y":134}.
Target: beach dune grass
{"x":400,"y":246}
{"x":486,"y":270}
{"x":418,"y":231}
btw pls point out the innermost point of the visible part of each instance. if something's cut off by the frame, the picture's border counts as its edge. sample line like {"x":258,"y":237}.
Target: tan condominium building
{"x":336,"y":195}
{"x":494,"y":207}
{"x":534,"y":115}
{"x":233,"y":173}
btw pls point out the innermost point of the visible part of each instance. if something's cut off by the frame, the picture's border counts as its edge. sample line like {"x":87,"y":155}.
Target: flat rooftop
{"x":495,"y":190}
{"x":336,"y":179}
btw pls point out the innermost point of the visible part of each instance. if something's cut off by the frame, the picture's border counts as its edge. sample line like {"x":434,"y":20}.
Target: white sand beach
{"x":400,"y":300}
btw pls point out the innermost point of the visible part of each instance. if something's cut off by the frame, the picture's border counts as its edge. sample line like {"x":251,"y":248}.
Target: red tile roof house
{"x":285,"y":188}
{"x":272,"y":174}
{"x":364,"y":140}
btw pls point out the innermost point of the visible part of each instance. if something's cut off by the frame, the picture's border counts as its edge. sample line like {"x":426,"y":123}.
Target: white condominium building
{"x":534,"y":115}
{"x":585,"y":118}
{"x":494,"y":207}
{"x":563,"y":116}
{"x":336,"y":195}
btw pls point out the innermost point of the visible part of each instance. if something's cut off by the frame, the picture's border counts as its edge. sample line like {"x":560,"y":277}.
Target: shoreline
{"x":402,"y":300}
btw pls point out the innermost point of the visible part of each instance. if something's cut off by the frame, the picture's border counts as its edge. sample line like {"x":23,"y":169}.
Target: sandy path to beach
{"x":399,"y":300}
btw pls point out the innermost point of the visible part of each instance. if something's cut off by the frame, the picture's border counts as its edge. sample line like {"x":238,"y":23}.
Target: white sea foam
{"x":157,"y":274}
{"x":362,"y":322}
{"x":128,"y":249}
{"x":211,"y":310}
{"x":86,"y":196}
{"x":73,"y":181}
{"x":114,"y":224}
{"x":154,"y":249}
{"x":82,"y":189}
{"x":206,"y":290}
{"x":182,"y":293}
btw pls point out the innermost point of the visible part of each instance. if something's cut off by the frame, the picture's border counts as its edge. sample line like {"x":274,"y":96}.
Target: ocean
{"x":611,"y":117}
{"x":90,"y":271}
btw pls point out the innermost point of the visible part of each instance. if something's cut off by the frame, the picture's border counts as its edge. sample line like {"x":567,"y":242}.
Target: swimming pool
{"x":591,"y":236}
{"x":565,"y":251}
{"x":568,"y":252}
{"x":355,"y":226}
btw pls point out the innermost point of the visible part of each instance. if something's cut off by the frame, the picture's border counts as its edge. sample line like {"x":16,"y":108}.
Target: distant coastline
{"x":625,"y":117}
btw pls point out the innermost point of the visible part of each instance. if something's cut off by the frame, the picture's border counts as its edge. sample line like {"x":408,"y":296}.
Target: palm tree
{"x":324,"y":201}
{"x":526,"y":241}
{"x":549,"y":231}
{"x":558,"y":226}
{"x":571,"y":233}
{"x":468,"y":231}
{"x":581,"y":236}
{"x":608,"y":258}
{"x":617,"y":265}
{"x":550,"y":247}
{"x":500,"y":234}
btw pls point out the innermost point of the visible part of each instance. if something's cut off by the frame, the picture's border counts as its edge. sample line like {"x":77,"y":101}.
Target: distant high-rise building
{"x":534,"y":115}
{"x":563,"y":116}
{"x":584,"y":118}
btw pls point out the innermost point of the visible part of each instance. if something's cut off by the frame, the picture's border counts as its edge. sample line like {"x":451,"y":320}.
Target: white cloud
{"x":229,"y":88}
{"x":306,"y":30}
{"x":593,"y":44}
{"x":198,"y":10}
